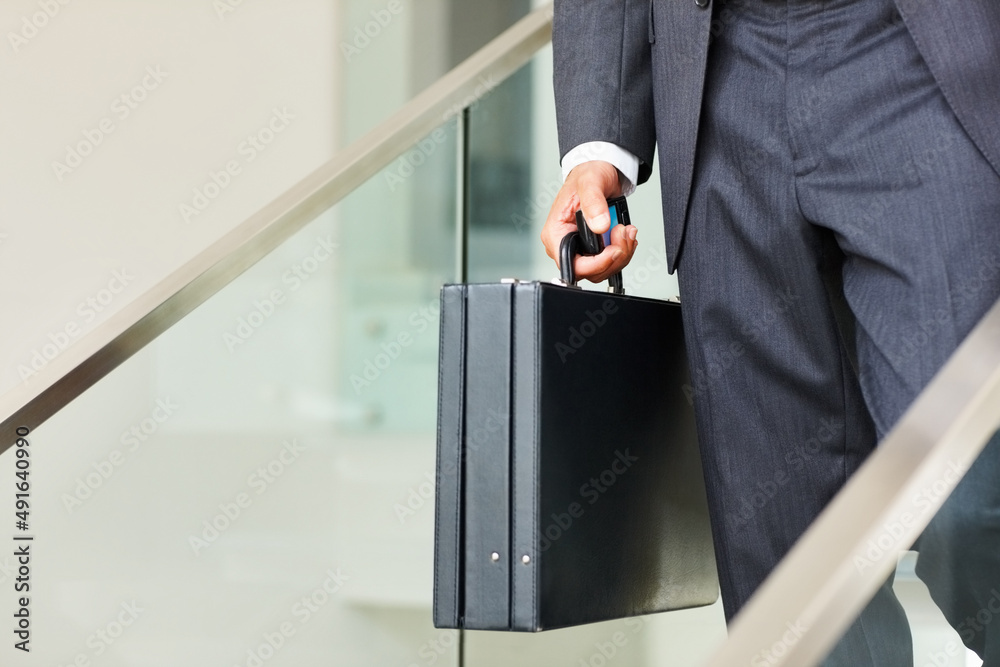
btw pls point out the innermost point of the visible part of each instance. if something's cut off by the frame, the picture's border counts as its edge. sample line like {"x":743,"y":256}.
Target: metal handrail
{"x":804,"y":607}
{"x":125,"y":333}
{"x":943,"y":431}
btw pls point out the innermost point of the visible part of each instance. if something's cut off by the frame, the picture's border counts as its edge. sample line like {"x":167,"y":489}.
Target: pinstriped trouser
{"x":843,"y":237}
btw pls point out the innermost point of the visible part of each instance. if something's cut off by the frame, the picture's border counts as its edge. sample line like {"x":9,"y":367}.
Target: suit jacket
{"x":631,"y":72}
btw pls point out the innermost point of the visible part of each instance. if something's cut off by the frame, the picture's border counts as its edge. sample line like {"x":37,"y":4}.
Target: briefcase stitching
{"x":511,"y":588}
{"x":532,"y":551}
{"x":437,"y":481}
{"x":534,"y":458}
{"x":459,"y":548}
{"x":457,"y":520}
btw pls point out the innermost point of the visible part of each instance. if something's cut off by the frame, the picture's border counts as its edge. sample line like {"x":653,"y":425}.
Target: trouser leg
{"x":830,"y":171}
{"x":916,"y":209}
{"x":960,"y":556}
{"x":782,"y":420}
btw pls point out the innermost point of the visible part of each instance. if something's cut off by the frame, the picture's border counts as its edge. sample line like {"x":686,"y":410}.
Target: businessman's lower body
{"x":843,"y":237}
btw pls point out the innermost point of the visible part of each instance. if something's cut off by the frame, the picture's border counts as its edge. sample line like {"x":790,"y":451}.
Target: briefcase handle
{"x":570,"y":247}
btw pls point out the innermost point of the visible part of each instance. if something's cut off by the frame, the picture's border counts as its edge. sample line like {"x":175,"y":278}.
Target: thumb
{"x":593,"y":192}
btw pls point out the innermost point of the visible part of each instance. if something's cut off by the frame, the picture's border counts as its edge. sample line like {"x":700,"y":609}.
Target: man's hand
{"x":587,"y":188}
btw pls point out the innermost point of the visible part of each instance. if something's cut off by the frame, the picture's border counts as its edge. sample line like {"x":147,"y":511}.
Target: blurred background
{"x":256,"y":486}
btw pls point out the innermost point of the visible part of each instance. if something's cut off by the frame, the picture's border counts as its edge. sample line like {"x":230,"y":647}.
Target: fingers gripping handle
{"x":571,"y":246}
{"x":585,"y":242}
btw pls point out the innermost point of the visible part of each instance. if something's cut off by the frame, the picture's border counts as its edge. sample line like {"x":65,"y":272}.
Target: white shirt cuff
{"x":625,"y":162}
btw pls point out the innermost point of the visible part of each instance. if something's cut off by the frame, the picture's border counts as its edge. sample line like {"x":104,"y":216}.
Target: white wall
{"x":201,"y":81}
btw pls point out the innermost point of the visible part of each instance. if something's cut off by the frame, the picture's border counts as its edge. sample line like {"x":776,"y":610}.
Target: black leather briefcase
{"x":569,"y":483}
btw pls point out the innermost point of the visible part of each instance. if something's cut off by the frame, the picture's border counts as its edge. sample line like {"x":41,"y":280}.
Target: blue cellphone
{"x":593,"y":244}
{"x":619,"y":215}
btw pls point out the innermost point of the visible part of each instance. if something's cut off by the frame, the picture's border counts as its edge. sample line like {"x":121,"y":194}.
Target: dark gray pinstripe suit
{"x":835,"y":164}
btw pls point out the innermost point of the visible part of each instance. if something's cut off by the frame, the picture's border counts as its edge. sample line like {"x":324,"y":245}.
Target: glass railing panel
{"x":514,"y":177}
{"x":942,"y":607}
{"x":924,"y":506}
{"x":253,"y":488}
{"x":390,"y":51}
